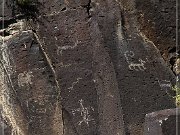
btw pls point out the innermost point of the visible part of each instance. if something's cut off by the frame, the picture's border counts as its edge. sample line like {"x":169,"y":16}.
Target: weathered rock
{"x":177,"y":66}
{"x":79,"y":67}
{"x":158,"y":22}
{"x":86,"y":67}
{"x":8,"y":13}
{"x":162,"y":122}
{"x":6,"y":10}
{"x":35,"y":86}
{"x":29,"y":87}
{"x":137,"y":64}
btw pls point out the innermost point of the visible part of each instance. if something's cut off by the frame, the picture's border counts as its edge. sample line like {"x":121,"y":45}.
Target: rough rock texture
{"x":85,"y":67}
{"x":162,"y":122}
{"x":158,"y":23}
{"x":83,"y":72}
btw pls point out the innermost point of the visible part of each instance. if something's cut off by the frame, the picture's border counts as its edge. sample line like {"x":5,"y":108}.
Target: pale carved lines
{"x":164,"y":84}
{"x":140,"y":66}
{"x":84,"y":112}
{"x":134,"y":65}
{"x":62,"y":65}
{"x":74,"y":83}
{"x":61,"y":48}
{"x":41,"y":101}
{"x":41,"y":109}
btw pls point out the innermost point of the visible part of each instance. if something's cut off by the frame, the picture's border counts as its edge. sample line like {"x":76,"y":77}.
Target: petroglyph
{"x":36,"y":107}
{"x":40,"y":104}
{"x":129,"y":55}
{"x":39,"y":69}
{"x":137,"y":66}
{"x":62,"y":65}
{"x":164,"y":84}
{"x":25,"y":79}
{"x":84,"y":112}
{"x":61,"y":48}
{"x":41,"y":110}
{"x":74,"y":83}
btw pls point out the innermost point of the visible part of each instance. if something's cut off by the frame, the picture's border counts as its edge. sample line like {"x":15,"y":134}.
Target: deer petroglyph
{"x":129,"y":55}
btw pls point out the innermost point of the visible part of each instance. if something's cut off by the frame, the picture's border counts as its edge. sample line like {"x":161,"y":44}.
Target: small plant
{"x":176,"y":88}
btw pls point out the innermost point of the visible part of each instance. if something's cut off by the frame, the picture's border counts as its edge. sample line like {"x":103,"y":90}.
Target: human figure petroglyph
{"x":25,"y":78}
{"x":129,"y":55}
{"x":84,"y":112}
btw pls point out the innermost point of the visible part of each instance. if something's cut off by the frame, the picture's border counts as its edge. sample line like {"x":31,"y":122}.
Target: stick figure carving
{"x":84,"y":112}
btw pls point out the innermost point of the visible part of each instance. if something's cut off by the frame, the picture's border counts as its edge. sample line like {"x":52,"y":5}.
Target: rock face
{"x":158,"y":22}
{"x":84,"y":67}
{"x":158,"y":123}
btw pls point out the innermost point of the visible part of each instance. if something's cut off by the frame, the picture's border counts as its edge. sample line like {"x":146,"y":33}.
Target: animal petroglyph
{"x":137,"y":66}
{"x":129,"y":55}
{"x":25,"y":78}
{"x":84,"y":112}
{"x":74,"y":83}
{"x":61,"y":48}
{"x":164,"y":84}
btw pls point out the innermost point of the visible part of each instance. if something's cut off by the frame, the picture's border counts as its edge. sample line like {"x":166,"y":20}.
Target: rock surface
{"x":159,"y":122}
{"x":85,"y":67}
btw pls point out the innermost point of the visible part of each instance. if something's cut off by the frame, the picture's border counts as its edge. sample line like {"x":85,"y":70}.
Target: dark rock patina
{"x":82,"y":67}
